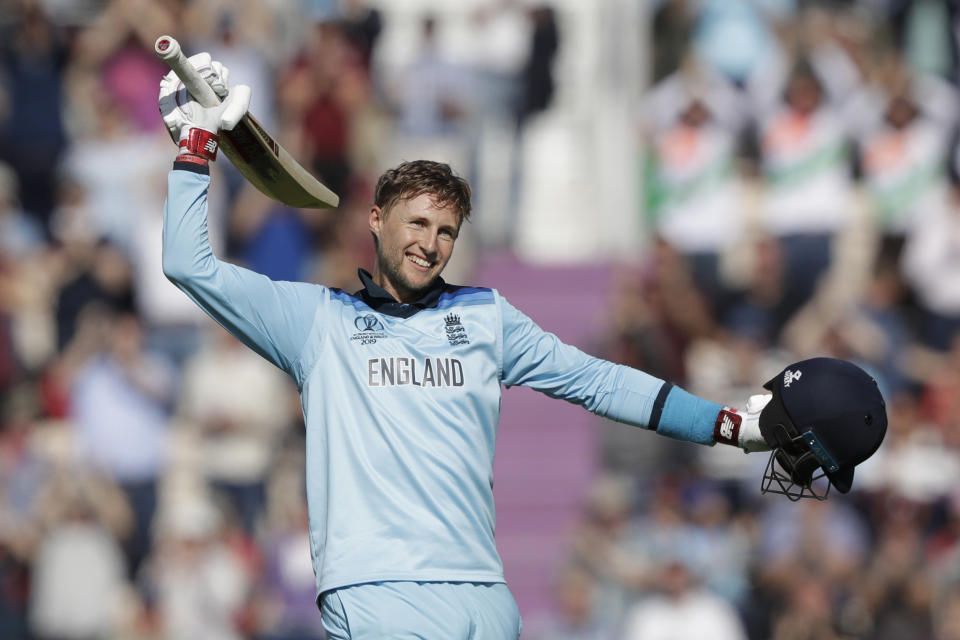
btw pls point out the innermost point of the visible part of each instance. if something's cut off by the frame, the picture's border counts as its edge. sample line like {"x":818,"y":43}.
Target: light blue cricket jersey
{"x":400,"y":402}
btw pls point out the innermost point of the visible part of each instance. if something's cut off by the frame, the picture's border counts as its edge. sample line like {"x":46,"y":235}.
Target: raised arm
{"x":275,"y":319}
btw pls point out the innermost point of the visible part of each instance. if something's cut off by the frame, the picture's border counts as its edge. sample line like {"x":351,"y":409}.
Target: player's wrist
{"x":726,"y":428}
{"x":191,"y":158}
{"x":741,"y":427}
{"x":198,"y":142}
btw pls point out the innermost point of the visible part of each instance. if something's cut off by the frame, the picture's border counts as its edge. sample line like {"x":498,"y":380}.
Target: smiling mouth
{"x":420,"y":262}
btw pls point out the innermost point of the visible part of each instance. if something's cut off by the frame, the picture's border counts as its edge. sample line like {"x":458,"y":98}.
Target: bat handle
{"x":168,"y":49}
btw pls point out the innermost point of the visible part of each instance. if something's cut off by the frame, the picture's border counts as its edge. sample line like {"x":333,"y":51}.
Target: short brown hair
{"x":417,"y":177}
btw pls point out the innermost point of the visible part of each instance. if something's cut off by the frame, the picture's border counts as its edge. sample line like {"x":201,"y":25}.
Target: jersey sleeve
{"x":275,"y":319}
{"x":538,"y":359}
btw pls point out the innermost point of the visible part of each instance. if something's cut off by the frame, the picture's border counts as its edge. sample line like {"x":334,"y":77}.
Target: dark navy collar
{"x":378,"y":299}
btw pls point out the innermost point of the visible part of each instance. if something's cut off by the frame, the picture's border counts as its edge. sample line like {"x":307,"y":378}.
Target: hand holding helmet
{"x":825,"y":417}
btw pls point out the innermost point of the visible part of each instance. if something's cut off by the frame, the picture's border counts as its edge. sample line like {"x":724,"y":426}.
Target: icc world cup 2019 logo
{"x":370,"y":329}
{"x":368,"y":323}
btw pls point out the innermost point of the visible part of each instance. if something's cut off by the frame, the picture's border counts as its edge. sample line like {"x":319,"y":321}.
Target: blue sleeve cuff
{"x":202,"y":169}
{"x":687,"y":417}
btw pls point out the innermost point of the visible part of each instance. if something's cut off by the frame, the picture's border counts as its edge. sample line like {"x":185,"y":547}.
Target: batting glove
{"x":190,"y":124}
{"x":741,"y":428}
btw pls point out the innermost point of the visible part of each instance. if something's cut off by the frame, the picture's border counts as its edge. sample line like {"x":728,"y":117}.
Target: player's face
{"x":415,"y":241}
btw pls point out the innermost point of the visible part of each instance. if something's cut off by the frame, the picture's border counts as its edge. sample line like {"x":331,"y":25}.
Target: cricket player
{"x":400,"y":385}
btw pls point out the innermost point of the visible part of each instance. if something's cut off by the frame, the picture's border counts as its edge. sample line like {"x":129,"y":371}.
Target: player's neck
{"x":400,"y":294}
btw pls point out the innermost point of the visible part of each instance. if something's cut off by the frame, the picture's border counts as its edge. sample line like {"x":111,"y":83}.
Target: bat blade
{"x":250,"y":147}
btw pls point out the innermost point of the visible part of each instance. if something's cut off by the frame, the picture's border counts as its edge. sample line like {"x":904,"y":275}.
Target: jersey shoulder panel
{"x":348,"y":299}
{"x":459,"y":295}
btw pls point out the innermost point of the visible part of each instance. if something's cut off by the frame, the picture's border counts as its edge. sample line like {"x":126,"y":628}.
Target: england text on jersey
{"x":428,"y":372}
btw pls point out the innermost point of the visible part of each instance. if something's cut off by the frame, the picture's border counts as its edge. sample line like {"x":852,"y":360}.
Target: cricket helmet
{"x":826,"y":417}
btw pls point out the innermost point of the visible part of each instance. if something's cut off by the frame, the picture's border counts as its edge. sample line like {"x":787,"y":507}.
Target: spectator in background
{"x":831,"y":539}
{"x":117,"y":50}
{"x":32,"y":134}
{"x":79,"y":579}
{"x":603,"y":546}
{"x":287,"y":608}
{"x":682,"y":609}
{"x":120,"y":171}
{"x":242,"y":34}
{"x":117,"y":168}
{"x":311,"y":92}
{"x":808,"y":195}
{"x":499,"y":46}
{"x":236,"y":403}
{"x":831,"y":44}
{"x":877,"y":332}
{"x":898,"y":586}
{"x":808,"y":614}
{"x":658,"y":312}
{"x":23,"y":474}
{"x":11,"y":370}
{"x":199,"y":582}
{"x":917,"y":464}
{"x":120,"y":397}
{"x":430,"y":96}
{"x":733,"y":37}
{"x":276,"y":240}
{"x":673,"y":24}
{"x":576,"y":617}
{"x":717,"y":545}
{"x":99,"y":276}
{"x":112,"y":174}
{"x":931,"y":268}
{"x":827,"y":542}
{"x":924,"y":33}
{"x":21,"y":234}
{"x":904,"y":127}
{"x":363,"y":25}
{"x":537,"y":83}
{"x":694,"y":123}
{"x":948,"y":614}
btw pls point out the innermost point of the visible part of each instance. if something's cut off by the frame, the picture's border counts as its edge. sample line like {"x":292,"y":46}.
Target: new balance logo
{"x":726,"y":429}
{"x":210,"y":146}
{"x":789,"y":377}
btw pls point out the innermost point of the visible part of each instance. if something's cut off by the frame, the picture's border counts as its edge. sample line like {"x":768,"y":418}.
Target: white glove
{"x":182,"y":114}
{"x":742,"y":427}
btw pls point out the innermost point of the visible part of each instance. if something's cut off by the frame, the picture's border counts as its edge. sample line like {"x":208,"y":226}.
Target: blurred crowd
{"x":799,"y":170}
{"x":801,"y":188}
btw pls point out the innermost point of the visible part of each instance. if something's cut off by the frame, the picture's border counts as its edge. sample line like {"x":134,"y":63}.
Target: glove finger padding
{"x":180,"y":111}
{"x":218,"y":77}
{"x":169,"y":103}
{"x":235,"y":106}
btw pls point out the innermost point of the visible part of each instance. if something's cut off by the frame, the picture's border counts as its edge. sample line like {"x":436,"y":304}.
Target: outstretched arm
{"x":538,"y":359}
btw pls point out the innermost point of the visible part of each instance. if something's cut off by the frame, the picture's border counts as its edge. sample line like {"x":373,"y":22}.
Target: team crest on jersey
{"x":456,"y":332}
{"x":370,"y":329}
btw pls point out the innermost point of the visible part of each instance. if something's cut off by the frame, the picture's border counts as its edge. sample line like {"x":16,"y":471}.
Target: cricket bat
{"x":251,"y":149}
